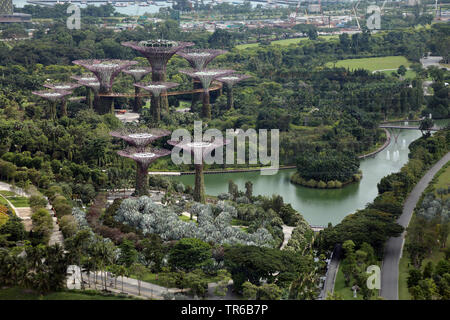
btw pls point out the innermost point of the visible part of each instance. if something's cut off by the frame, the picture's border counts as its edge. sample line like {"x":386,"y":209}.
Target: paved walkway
{"x":332,"y":269}
{"x":394,"y":246}
{"x":25,"y":214}
{"x":287,"y":231}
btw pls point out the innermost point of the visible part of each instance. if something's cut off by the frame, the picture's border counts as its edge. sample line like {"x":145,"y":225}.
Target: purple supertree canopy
{"x":158,"y":52}
{"x":94,"y":84}
{"x":52,"y":95}
{"x":157,"y":87}
{"x":85,"y":77}
{"x":199,"y":148}
{"x":231,"y":80}
{"x":140,"y":137}
{"x":199,"y":58}
{"x":105,"y":70}
{"x":62,"y":86}
{"x":207,"y":76}
{"x":143,"y":155}
{"x":138,"y":72}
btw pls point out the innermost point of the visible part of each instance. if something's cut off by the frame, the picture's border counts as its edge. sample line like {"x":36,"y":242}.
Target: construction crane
{"x":356,"y":15}
{"x":321,"y":11}
{"x":293,"y":15}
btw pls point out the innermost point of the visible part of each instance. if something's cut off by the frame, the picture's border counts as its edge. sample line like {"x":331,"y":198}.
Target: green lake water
{"x":320,"y":206}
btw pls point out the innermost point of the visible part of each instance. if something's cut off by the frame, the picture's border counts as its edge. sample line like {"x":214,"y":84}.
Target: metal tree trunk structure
{"x":53,"y":96}
{"x":94,"y":87}
{"x":230,"y":81}
{"x":206,"y":77}
{"x":156,"y":88}
{"x":89,"y":91}
{"x":143,"y":156}
{"x":199,"y":59}
{"x":137,"y":74}
{"x":158,"y":52}
{"x":199,"y":149}
{"x":63,"y":87}
{"x":105,"y":70}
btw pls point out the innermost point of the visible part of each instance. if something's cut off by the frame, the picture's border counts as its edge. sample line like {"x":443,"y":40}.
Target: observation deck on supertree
{"x":105,"y":70}
{"x":230,"y":81}
{"x":156,"y":88}
{"x":158,"y":52}
{"x":199,"y":149}
{"x":89,"y":91}
{"x":94,"y":87}
{"x":200,"y":58}
{"x":64,"y":86}
{"x":53,"y":96}
{"x":143,"y":156}
{"x":137,"y":73}
{"x":206,"y":77}
{"x":140,"y":137}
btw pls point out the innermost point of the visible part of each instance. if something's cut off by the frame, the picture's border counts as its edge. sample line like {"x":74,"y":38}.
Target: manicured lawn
{"x":403,"y":293}
{"x":341,"y":289}
{"x":186,"y":219}
{"x":372,"y":64}
{"x":443,"y":180}
{"x":284,"y":42}
{"x":408,"y":75}
{"x":25,"y":294}
{"x":346,"y":292}
{"x":19,"y":202}
{"x":16,"y":200}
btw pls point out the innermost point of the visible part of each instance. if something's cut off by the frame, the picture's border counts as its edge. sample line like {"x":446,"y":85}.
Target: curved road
{"x":394,"y":246}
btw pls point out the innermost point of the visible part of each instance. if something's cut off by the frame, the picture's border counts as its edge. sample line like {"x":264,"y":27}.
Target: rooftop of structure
{"x":158,"y":43}
{"x":144,"y":155}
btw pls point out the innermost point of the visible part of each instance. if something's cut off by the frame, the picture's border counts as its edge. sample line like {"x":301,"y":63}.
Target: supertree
{"x":53,"y":96}
{"x":158,"y":52}
{"x":156,"y":88}
{"x":105,"y":70}
{"x":143,"y":156}
{"x":139,"y":137}
{"x":89,"y":93}
{"x":137,"y":73}
{"x":199,"y":149}
{"x":206,"y":77}
{"x":69,"y":86}
{"x":94,"y":87}
{"x":230,"y":81}
{"x":199,"y":59}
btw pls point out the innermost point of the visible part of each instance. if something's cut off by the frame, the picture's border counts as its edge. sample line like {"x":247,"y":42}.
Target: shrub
{"x":312,"y":183}
{"x":321,"y":185}
{"x":68,"y":226}
{"x":331,"y":184}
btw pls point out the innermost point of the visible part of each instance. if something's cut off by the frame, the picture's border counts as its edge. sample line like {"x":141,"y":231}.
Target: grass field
{"x":346,"y":292}
{"x":17,"y":201}
{"x":24,"y":294}
{"x":409,"y":73}
{"x":284,"y":42}
{"x":373,"y":64}
{"x":443,"y":181}
{"x":339,"y":287}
